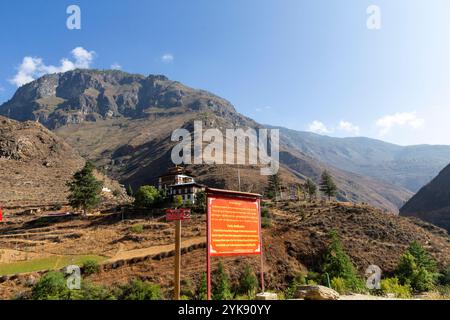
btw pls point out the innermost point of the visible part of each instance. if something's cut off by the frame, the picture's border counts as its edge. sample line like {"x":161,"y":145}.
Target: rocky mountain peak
{"x":88,"y":95}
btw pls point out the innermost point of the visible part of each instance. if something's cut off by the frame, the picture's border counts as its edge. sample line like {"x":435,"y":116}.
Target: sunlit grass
{"x":51,"y":263}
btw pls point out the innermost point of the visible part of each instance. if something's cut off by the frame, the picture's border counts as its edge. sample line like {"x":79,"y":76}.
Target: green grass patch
{"x":51,"y":263}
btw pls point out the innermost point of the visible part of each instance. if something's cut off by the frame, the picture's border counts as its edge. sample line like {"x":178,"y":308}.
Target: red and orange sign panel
{"x":178,"y":214}
{"x":234,"y":226}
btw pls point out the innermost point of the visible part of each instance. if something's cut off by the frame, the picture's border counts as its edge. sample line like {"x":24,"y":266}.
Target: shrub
{"x":337,"y":264}
{"x":51,"y":286}
{"x":137,"y":228}
{"x":90,"y":267}
{"x":187,"y":289}
{"x":393,"y":286}
{"x":201,"y":292}
{"x":298,"y":280}
{"x":90,"y":291}
{"x":265,"y":213}
{"x":339,"y":285}
{"x":248,"y":284}
{"x":222,"y":288}
{"x":117,"y":193}
{"x":445,"y":276}
{"x":139,"y":290}
{"x":266,"y":222}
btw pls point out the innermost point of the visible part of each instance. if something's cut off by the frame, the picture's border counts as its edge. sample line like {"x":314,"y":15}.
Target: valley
{"x":294,"y":243}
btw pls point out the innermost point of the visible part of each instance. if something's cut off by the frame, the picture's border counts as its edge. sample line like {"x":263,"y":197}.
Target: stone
{"x":316,"y":292}
{"x":266,"y":296}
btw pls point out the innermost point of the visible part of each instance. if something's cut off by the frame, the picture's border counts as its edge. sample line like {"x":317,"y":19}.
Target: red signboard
{"x":178,"y":214}
{"x":234,"y":226}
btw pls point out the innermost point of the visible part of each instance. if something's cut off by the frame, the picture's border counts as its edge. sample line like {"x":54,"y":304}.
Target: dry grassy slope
{"x":137,"y":151}
{"x":35,"y":165}
{"x":295,"y":243}
{"x":432,"y":202}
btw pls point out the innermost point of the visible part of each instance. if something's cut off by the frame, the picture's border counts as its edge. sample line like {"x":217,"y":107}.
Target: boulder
{"x":316,"y":292}
{"x":266,"y":296}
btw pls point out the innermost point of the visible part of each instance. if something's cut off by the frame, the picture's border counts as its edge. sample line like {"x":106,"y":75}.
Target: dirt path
{"x":138,"y":253}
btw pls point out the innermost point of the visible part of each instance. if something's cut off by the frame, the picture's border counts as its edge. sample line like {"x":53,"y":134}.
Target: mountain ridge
{"x":409,"y":167}
{"x":432,"y":202}
{"x":124,"y":121}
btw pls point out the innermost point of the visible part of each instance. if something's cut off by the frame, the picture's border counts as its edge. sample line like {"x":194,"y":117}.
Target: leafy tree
{"x":274,"y":186}
{"x":248,"y":284}
{"x":200,"y":201}
{"x":147,"y":196}
{"x":222,"y":288}
{"x":178,"y":201}
{"x":327,"y":185}
{"x":85,"y":189}
{"x":337,"y":264}
{"x":311,"y":189}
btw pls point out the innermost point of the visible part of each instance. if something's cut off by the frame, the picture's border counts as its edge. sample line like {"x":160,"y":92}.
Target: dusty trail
{"x":139,"y":253}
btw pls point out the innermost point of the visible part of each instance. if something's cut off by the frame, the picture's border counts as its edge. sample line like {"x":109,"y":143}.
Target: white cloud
{"x":83,"y":58}
{"x":116,"y":66}
{"x":167,"y":58}
{"x":262,"y":109}
{"x":318,"y":127}
{"x":349,"y":127}
{"x":33,"y":67}
{"x":404,"y":119}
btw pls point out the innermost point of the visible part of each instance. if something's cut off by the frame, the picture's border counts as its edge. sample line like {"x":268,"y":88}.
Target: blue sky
{"x":307,"y":65}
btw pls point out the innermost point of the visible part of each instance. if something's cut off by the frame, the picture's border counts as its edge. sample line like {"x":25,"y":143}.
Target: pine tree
{"x":327,"y":185}
{"x":299,"y":192}
{"x":84,"y":189}
{"x":130,"y":191}
{"x":337,"y":264}
{"x":311,"y":189}
{"x":248,"y":283}
{"x":274,"y":185}
{"x":222,"y":289}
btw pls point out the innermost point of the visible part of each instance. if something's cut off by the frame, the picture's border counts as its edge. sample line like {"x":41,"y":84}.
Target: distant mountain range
{"x":124,"y":122}
{"x":409,"y":167}
{"x":432,"y":202}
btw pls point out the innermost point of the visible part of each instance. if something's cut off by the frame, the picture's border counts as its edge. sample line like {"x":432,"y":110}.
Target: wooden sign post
{"x":233,"y":227}
{"x":177,"y":215}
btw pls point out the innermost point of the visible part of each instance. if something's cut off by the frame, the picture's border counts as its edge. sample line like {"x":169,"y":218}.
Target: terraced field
{"x":141,"y":246}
